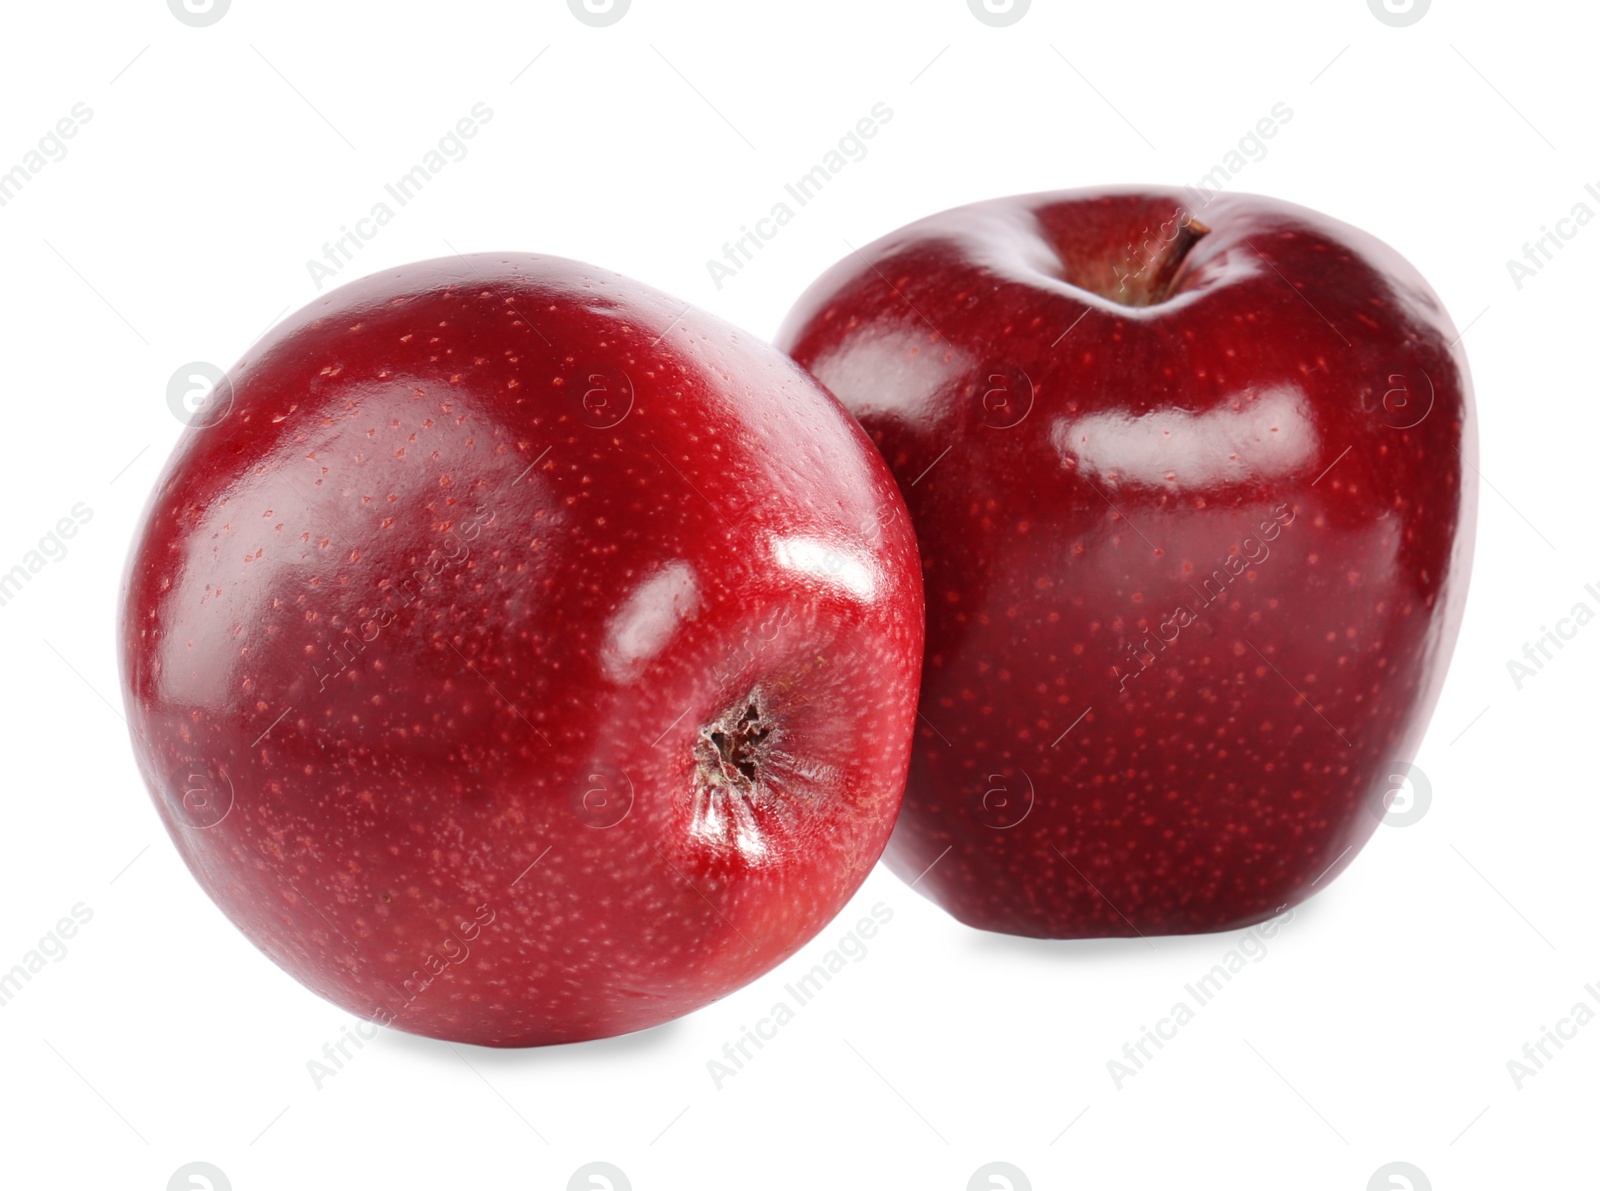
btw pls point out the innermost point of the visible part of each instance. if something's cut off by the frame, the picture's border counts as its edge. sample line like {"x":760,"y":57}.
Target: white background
{"x":177,"y":228}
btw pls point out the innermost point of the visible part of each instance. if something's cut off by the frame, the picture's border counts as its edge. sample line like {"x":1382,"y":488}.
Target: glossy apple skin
{"x":1194,"y":569}
{"x":424,"y":643}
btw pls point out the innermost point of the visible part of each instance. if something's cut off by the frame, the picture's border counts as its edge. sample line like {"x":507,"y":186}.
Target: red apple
{"x":524,"y":656}
{"x":1192,"y":478}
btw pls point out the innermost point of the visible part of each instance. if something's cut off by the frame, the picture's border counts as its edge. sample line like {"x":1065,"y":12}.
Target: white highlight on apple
{"x":1270,"y":438}
{"x":644,"y":624}
{"x":822,"y":561}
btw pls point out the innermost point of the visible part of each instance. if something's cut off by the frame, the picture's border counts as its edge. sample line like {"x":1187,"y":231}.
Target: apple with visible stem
{"x":517,"y":655}
{"x":1193,"y":478}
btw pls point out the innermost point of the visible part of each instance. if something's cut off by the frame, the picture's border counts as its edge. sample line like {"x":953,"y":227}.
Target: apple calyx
{"x":734,"y":801}
{"x":731,"y":747}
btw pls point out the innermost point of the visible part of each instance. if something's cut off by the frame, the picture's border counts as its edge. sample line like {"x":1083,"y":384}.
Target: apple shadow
{"x":1120,"y":951}
{"x":623,"y":1048}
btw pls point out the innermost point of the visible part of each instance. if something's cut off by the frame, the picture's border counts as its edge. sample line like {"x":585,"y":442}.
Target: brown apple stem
{"x":1167,"y":265}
